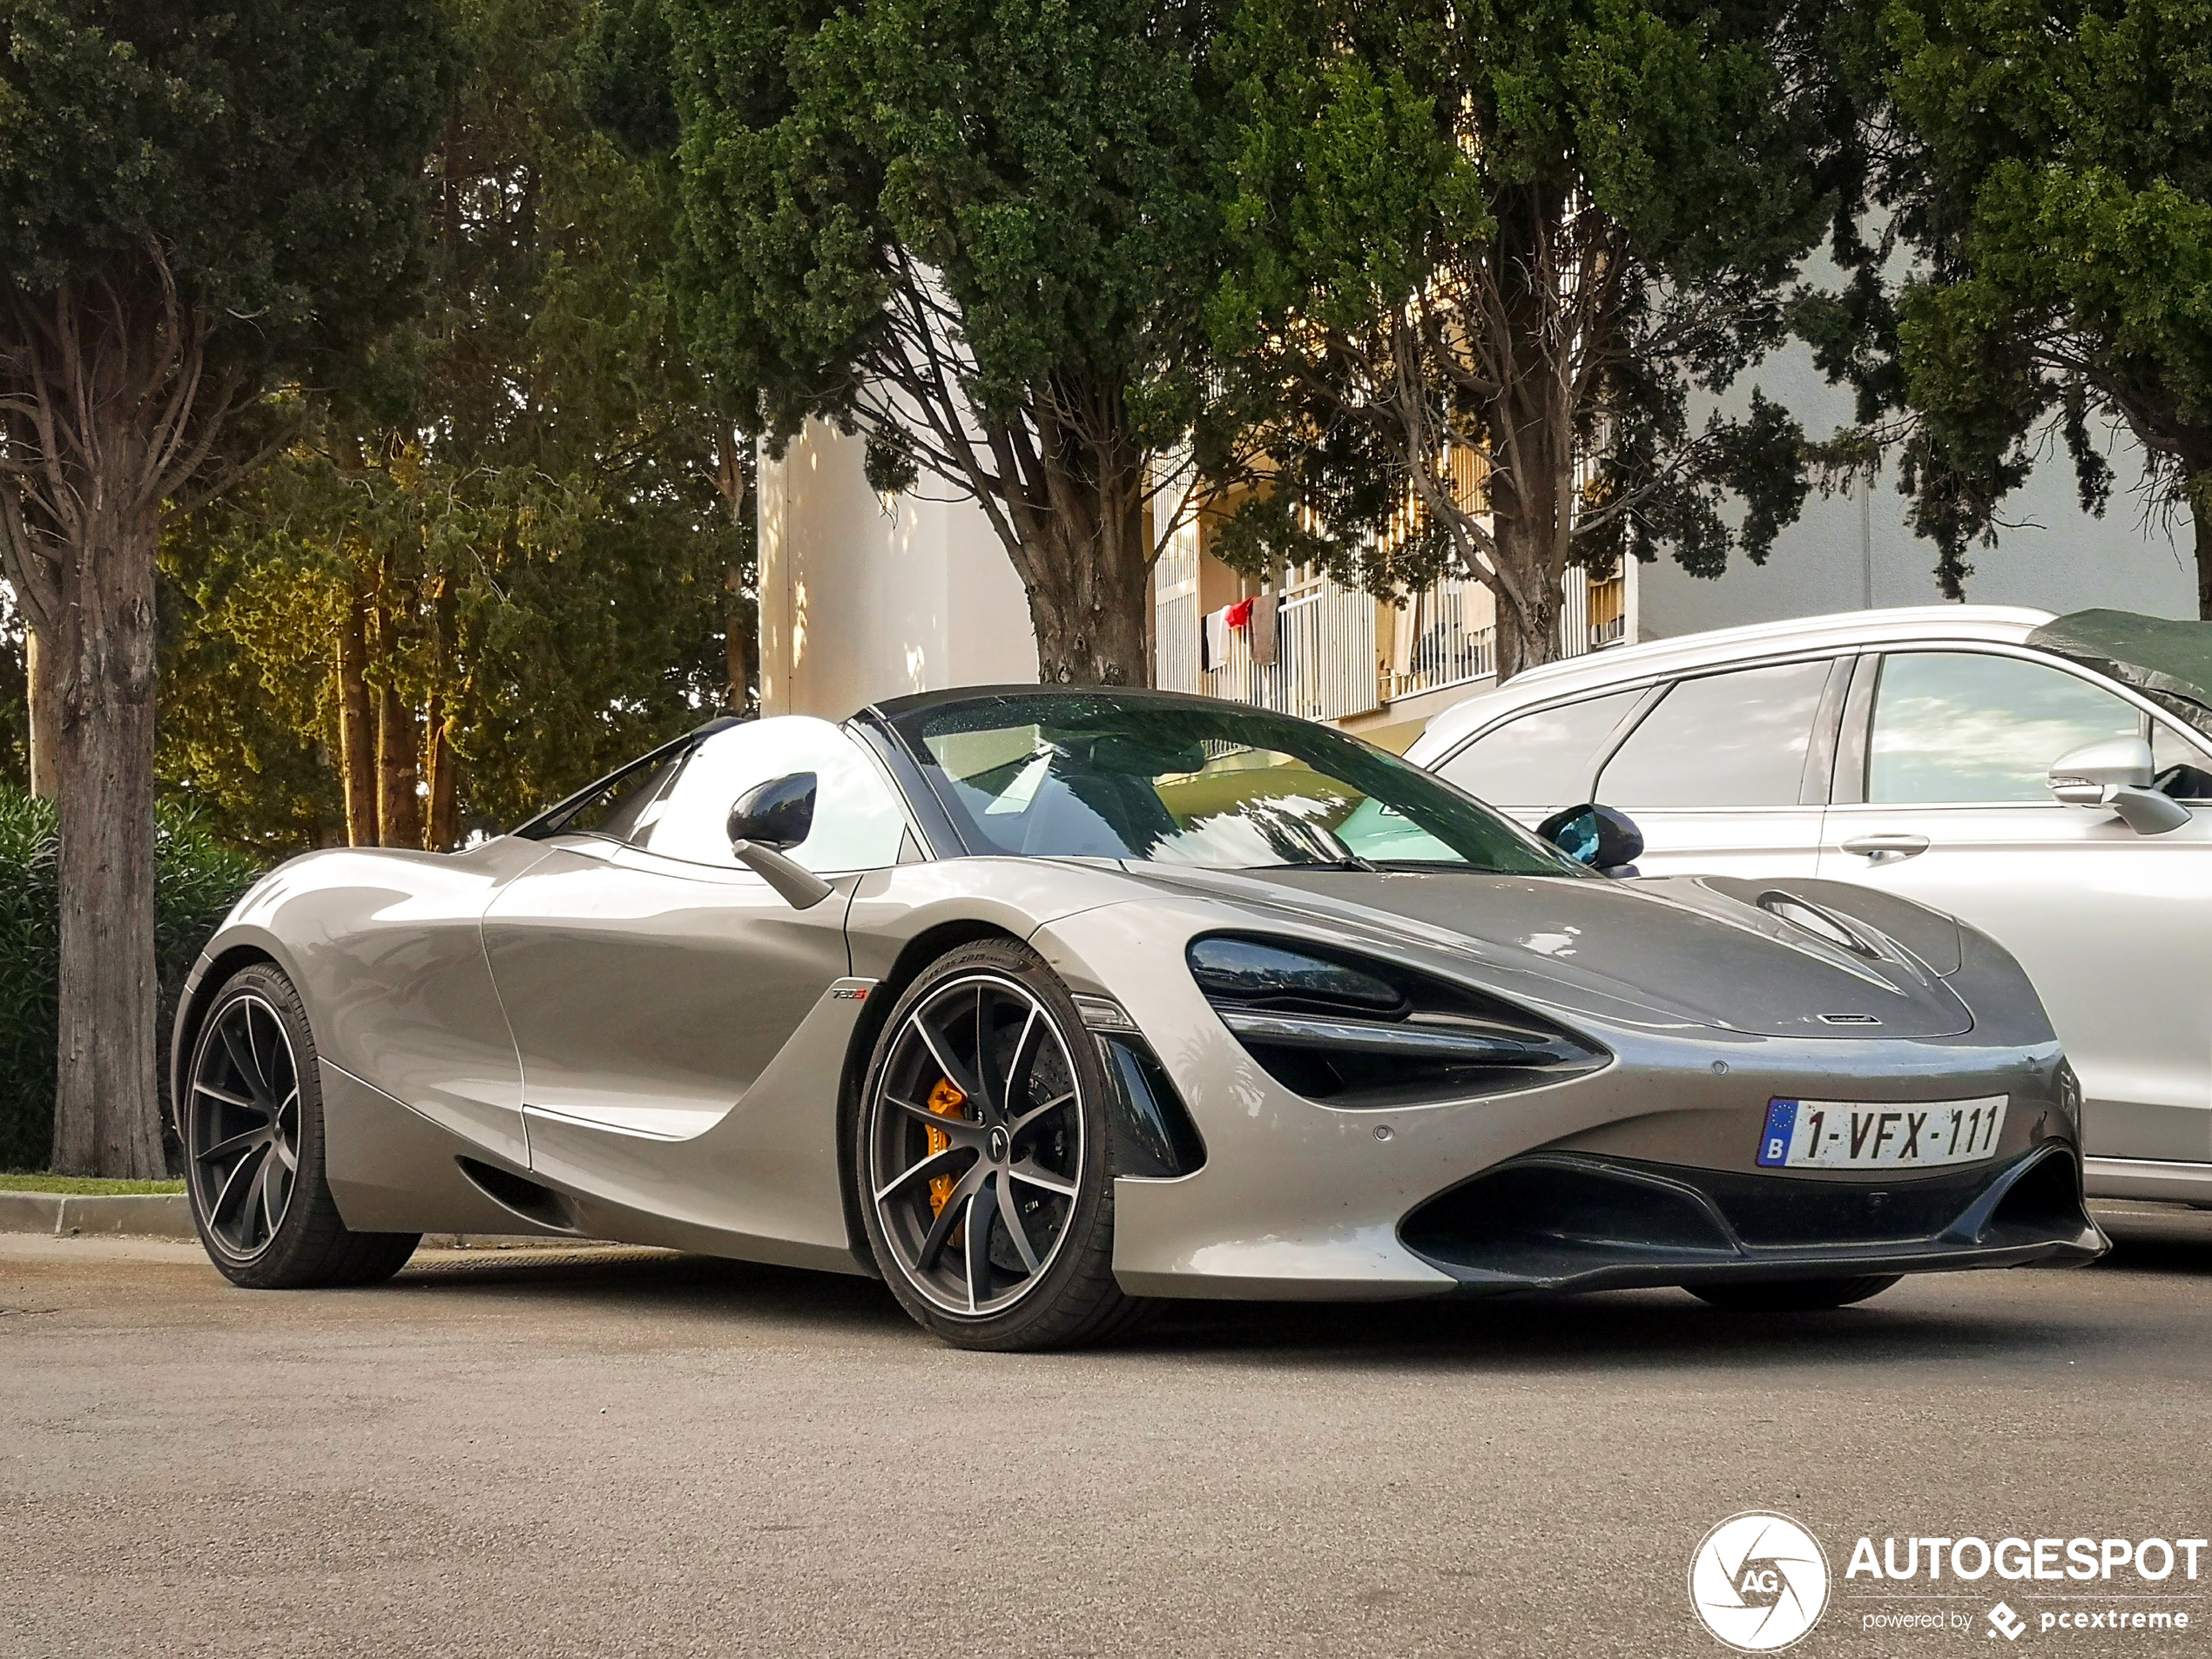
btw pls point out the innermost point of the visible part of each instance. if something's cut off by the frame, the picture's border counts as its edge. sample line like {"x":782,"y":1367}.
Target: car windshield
{"x":1081,"y":774}
{"x":2169,"y":662}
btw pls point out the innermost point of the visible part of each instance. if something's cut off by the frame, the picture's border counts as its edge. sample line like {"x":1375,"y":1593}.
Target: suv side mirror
{"x":1607,"y":840}
{"x":777,"y":814}
{"x":2117,"y":772}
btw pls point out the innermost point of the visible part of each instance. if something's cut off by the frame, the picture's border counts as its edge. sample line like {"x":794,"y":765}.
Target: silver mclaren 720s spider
{"x":1041,"y":1004}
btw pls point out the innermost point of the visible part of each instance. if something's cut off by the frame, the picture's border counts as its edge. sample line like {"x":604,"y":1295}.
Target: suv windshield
{"x":2169,"y":662}
{"x":1122,"y":775}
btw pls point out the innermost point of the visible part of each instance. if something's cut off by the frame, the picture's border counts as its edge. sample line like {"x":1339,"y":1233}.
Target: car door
{"x":1725,"y":771}
{"x":648,"y":976}
{"x":1941,"y":796}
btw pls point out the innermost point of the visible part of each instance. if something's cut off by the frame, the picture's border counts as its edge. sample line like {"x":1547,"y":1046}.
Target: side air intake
{"x":541,"y":1206}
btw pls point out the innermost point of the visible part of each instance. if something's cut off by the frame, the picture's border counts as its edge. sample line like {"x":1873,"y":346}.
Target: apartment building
{"x":864,"y":597}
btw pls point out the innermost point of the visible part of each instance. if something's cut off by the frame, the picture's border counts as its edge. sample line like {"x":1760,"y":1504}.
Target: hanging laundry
{"x":1239,"y":616}
{"x":1213,"y":639}
{"x":1261,"y":640}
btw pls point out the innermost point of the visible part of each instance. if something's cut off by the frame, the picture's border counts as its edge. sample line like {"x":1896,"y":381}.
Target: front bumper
{"x":1564,"y":1222}
{"x":1299,"y":1200}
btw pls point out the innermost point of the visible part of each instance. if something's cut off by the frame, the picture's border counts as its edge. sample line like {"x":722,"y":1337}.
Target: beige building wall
{"x":863,"y":598}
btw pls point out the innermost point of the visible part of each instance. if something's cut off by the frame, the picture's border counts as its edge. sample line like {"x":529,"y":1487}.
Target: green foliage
{"x":269,"y":146}
{"x":1046,"y":159}
{"x":981,"y":232}
{"x":528,"y":483}
{"x":197,"y":880}
{"x":2048,"y":175}
{"x":88,"y":1186}
{"x":1534,"y":232}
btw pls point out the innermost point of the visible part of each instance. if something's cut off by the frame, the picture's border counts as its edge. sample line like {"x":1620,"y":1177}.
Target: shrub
{"x":197,"y":880}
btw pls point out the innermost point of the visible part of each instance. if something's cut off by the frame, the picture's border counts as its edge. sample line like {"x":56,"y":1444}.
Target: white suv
{"x":1947,"y":753}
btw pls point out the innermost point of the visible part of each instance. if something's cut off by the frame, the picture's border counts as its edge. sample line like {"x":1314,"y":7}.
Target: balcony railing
{"x":1340,"y":653}
{"x":1444,"y":638}
{"x":1324,"y":656}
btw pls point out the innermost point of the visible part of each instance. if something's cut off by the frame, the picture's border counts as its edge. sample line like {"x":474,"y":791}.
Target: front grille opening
{"x":1774,"y":1213}
{"x":1545,"y":1220}
{"x":525,"y":1198}
{"x":2047,"y":1199}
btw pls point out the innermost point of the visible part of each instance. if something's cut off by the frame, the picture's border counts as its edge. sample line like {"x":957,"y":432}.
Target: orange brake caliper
{"x":945,"y":1100}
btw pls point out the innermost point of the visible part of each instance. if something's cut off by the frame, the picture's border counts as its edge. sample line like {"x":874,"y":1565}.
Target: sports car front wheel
{"x":253,"y":1128}
{"x":984,"y":1157}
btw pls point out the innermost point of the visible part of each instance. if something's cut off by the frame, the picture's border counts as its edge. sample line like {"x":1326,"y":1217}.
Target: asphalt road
{"x":502,"y":1453}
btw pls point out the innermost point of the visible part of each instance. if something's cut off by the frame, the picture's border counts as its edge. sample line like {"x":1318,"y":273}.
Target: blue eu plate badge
{"x":1781,"y":1127}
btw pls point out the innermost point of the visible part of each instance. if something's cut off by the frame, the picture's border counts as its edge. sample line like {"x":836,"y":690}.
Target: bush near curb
{"x":197,"y":880}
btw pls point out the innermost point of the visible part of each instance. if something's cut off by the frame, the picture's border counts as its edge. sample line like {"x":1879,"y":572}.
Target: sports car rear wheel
{"x":252,"y":1123}
{"x":1793,"y":1295}
{"x":983,"y":1157}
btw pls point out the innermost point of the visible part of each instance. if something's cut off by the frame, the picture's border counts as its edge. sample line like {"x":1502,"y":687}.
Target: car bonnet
{"x":1662,"y":953}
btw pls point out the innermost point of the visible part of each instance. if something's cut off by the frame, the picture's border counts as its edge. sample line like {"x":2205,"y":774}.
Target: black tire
{"x":1059,"y":1293}
{"x":250,"y":1121}
{"x":1793,"y":1295}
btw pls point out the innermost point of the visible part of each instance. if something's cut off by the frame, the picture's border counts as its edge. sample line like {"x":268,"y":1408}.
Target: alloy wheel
{"x":975,"y":1146}
{"x":242,"y":1126}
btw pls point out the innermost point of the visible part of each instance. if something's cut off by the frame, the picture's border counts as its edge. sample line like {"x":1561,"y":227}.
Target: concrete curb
{"x":168,"y":1215}
{"x":151,"y":1214}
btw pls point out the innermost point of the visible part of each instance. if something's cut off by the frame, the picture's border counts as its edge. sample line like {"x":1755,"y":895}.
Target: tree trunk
{"x":2201,"y":511}
{"x":1090,"y":571}
{"x":399,"y":737}
{"x":356,"y":727}
{"x":1527,"y":636}
{"x":445,"y":783}
{"x":737,"y":631}
{"x":43,"y":697}
{"x":444,"y":826}
{"x":1527,"y":522}
{"x":106,"y":1110}
{"x":1531,"y":422}
{"x":399,"y":763}
{"x":733,"y":479}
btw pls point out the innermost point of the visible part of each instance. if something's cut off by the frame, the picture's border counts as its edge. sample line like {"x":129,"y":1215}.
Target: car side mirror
{"x":1608,"y":840}
{"x":777,"y":814}
{"x":2117,"y":773}
{"x":767,"y":819}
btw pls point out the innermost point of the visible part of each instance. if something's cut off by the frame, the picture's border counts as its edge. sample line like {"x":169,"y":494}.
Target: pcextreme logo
{"x":1759,"y":1581}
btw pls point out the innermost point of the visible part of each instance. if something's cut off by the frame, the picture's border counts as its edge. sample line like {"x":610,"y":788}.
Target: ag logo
{"x":1759,"y":1581}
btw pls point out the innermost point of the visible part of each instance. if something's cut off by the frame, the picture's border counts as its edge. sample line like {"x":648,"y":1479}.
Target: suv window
{"x":858,"y":821}
{"x":1732,"y":740}
{"x":1972,"y":727}
{"x":1542,"y":759}
{"x":2184,"y":771}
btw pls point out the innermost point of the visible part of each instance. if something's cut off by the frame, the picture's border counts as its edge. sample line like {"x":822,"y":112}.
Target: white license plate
{"x":1851,"y":1134}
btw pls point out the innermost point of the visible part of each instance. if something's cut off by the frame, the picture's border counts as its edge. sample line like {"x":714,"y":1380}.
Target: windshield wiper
{"x":1348,"y":861}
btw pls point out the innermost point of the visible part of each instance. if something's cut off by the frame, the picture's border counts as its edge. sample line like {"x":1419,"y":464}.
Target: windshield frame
{"x":899,"y":726}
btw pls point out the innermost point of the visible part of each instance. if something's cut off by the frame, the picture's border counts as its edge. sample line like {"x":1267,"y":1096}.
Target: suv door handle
{"x":1879,"y":847}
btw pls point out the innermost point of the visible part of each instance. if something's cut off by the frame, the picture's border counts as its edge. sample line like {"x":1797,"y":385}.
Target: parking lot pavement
{"x":618,"y":1452}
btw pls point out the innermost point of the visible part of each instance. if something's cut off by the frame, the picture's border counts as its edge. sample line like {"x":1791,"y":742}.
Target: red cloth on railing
{"x":1239,"y":616}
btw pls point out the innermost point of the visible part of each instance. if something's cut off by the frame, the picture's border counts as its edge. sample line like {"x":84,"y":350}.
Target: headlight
{"x":1356,"y":1032}
{"x":1257,"y":972}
